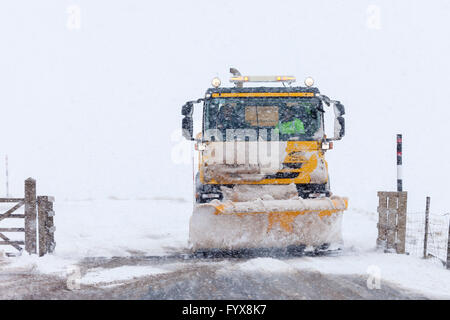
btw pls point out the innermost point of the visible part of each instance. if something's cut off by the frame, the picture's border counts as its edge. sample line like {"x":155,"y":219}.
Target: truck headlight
{"x":215,"y":82}
{"x":309,"y":82}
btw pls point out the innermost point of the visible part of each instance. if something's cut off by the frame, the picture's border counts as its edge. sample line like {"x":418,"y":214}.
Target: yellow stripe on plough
{"x":284,"y":218}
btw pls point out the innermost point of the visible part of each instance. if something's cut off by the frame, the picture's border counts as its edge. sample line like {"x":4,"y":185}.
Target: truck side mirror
{"x":339,"y":128}
{"x":187,"y":127}
{"x":187,"y":123}
{"x":187,"y":109}
{"x":339,"y":122}
{"x":339,"y":109}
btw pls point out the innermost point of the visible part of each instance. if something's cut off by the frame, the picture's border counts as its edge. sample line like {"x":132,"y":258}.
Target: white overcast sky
{"x":90,"y":112}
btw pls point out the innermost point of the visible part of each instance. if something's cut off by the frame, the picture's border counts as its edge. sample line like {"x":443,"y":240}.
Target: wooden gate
{"x":392,"y":221}
{"x":46,"y":227}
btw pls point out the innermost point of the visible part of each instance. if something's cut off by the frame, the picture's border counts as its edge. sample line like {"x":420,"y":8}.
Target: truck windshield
{"x":269,"y":118}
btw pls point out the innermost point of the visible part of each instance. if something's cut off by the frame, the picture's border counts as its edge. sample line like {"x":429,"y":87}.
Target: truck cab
{"x":265,"y":136}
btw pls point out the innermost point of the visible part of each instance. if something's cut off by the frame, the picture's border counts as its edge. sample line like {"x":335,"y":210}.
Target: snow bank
{"x":51,"y":263}
{"x":101,"y":276}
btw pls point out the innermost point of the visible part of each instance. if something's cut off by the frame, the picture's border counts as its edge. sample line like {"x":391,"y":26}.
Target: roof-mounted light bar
{"x":240,"y":79}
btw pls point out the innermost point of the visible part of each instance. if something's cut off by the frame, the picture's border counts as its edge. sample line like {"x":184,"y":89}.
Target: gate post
{"x":427,"y":221}
{"x":50,"y":225}
{"x":382,"y":219}
{"x":30,"y":215}
{"x":392,"y":221}
{"x":46,"y":225}
{"x":448,"y":248}
{"x":401,"y":222}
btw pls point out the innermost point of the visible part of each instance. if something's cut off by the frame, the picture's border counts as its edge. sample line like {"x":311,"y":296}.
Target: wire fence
{"x":438,"y":225}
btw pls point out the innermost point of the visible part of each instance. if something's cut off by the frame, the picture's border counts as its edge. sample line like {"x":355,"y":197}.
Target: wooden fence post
{"x":46,"y":225}
{"x":30,"y":215}
{"x":427,"y":221}
{"x":51,"y":244}
{"x":448,"y":248}
{"x":401,"y":222}
{"x":42,"y":218}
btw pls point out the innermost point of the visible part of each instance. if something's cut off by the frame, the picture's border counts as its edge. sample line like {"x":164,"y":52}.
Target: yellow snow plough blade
{"x":267,"y":223}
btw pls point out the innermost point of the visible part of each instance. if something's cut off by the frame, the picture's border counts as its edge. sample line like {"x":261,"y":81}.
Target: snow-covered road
{"x":134,"y":278}
{"x":114,"y":249}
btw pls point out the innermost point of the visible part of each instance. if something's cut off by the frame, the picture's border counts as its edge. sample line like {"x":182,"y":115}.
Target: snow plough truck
{"x":262,"y":180}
